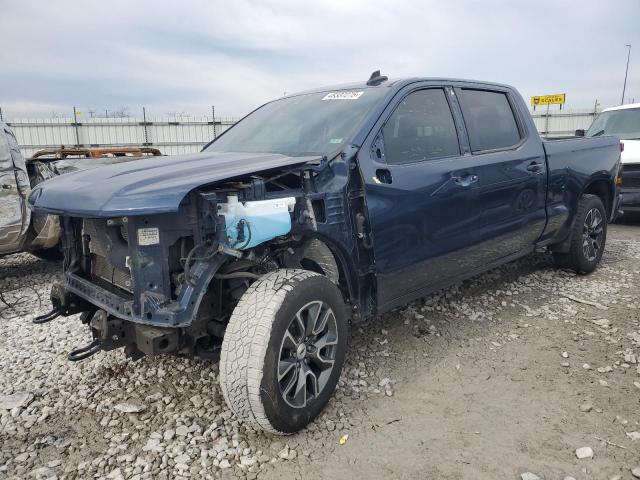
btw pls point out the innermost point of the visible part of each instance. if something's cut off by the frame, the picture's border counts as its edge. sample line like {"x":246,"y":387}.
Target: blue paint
{"x":398,"y":231}
{"x":148,"y":186}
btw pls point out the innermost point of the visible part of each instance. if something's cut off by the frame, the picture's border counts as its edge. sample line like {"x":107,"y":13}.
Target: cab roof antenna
{"x":376,"y":79}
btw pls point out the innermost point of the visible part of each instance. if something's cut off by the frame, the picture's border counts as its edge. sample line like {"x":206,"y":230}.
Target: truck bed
{"x":571,"y":164}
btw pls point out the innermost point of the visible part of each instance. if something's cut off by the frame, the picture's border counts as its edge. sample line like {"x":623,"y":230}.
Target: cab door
{"x":14,"y":188}
{"x":420,"y":191}
{"x":511,"y":168}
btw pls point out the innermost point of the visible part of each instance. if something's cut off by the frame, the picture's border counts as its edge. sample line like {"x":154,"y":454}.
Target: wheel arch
{"x":597,"y":188}
{"x":347,"y":277}
{"x":603,"y":189}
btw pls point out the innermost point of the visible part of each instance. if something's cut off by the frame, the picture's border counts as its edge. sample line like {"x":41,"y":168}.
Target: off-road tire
{"x":252,"y":345}
{"x":576,"y":259}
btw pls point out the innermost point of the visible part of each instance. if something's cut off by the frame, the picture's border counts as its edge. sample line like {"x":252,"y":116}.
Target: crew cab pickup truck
{"x":315,"y":210}
{"x":40,"y":233}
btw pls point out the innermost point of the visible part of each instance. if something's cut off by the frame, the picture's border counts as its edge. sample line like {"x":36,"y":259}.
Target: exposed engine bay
{"x":168,"y":283}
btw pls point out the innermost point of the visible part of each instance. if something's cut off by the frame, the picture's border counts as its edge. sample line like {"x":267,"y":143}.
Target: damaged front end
{"x":168,"y":282}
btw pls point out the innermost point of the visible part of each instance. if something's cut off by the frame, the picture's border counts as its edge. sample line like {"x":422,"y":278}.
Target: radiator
{"x":100,"y":265}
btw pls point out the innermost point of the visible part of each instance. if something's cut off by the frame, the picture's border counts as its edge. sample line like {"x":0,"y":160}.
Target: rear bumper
{"x":617,"y":211}
{"x":630,"y":187}
{"x":631,"y":199}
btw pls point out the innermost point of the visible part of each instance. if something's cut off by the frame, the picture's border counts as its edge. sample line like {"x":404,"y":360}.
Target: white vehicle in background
{"x":624,"y":123}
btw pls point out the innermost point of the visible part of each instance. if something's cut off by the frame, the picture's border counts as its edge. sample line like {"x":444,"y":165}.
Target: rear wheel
{"x":283,"y":350}
{"x":588,"y":237}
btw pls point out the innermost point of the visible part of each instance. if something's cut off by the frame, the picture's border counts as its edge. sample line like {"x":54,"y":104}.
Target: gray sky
{"x":187,"y":55}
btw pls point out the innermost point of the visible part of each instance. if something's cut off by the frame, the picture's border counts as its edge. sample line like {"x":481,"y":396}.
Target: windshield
{"x":310,"y":124}
{"x":624,"y":124}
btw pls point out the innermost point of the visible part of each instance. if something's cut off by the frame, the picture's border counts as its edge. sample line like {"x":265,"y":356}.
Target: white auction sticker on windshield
{"x":148,"y":236}
{"x":342,"y":95}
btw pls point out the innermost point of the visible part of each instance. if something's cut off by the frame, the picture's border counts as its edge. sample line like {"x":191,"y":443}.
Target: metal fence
{"x":170,"y":135}
{"x":187,"y":134}
{"x":563,"y":122}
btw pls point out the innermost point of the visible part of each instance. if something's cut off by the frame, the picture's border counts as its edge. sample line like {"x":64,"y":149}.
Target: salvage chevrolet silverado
{"x":315,"y":210}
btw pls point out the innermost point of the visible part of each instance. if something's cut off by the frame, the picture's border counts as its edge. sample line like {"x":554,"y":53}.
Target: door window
{"x":489,"y":119}
{"x":421,"y":128}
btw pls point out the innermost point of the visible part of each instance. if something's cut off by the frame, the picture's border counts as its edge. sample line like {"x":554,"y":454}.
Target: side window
{"x":489,"y":119}
{"x":421,"y":128}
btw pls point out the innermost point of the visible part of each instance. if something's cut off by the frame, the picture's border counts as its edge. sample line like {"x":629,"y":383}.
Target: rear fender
{"x":603,"y":189}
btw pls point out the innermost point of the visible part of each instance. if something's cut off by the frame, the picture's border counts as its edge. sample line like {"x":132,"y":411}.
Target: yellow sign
{"x":556,"y":99}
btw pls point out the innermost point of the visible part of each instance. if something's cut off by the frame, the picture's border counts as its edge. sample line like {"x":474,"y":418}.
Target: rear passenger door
{"x":420,"y":192}
{"x":511,"y":171}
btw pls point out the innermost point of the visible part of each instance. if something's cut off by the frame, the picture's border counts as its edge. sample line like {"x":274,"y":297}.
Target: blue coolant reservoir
{"x":251,"y":223}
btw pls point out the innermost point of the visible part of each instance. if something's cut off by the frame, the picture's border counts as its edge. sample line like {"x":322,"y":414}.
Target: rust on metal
{"x":65,"y":152}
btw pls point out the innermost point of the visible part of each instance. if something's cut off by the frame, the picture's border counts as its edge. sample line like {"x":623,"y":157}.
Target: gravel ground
{"x":517,"y":373}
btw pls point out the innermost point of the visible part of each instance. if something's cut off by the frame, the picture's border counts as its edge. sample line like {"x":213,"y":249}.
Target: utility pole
{"x":626,"y":72}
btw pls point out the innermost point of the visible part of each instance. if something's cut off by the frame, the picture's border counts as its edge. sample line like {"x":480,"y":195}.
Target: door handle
{"x":465,"y":180}
{"x":534,"y":167}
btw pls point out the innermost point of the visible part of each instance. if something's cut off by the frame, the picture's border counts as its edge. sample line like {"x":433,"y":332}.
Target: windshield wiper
{"x":598,"y":133}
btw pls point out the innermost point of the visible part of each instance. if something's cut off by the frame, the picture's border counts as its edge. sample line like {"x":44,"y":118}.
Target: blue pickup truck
{"x":314,"y":211}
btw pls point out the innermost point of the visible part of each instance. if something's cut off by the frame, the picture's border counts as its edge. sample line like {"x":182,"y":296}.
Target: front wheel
{"x":588,"y":237}
{"x":283,"y":350}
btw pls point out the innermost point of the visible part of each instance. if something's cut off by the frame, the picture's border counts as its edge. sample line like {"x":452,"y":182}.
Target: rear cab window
{"x":490,"y":120}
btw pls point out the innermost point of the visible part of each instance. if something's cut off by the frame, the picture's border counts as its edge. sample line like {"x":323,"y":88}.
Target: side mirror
{"x":580,"y":132}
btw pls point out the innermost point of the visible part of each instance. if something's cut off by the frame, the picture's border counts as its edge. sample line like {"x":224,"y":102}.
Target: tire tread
{"x":246,"y":341}
{"x":572,"y":259}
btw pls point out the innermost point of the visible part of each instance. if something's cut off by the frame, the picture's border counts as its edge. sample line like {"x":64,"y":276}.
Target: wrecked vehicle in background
{"x":315,"y":210}
{"x":38,"y":233}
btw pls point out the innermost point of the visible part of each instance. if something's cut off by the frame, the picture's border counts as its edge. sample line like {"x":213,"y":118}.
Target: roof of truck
{"x":394,"y":82}
{"x":622,"y":107}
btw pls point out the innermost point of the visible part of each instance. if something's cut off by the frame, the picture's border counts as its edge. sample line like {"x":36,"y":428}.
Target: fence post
{"x":213,"y":120}
{"x":144,"y":126}
{"x":546,"y":126}
{"x":76,"y":126}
